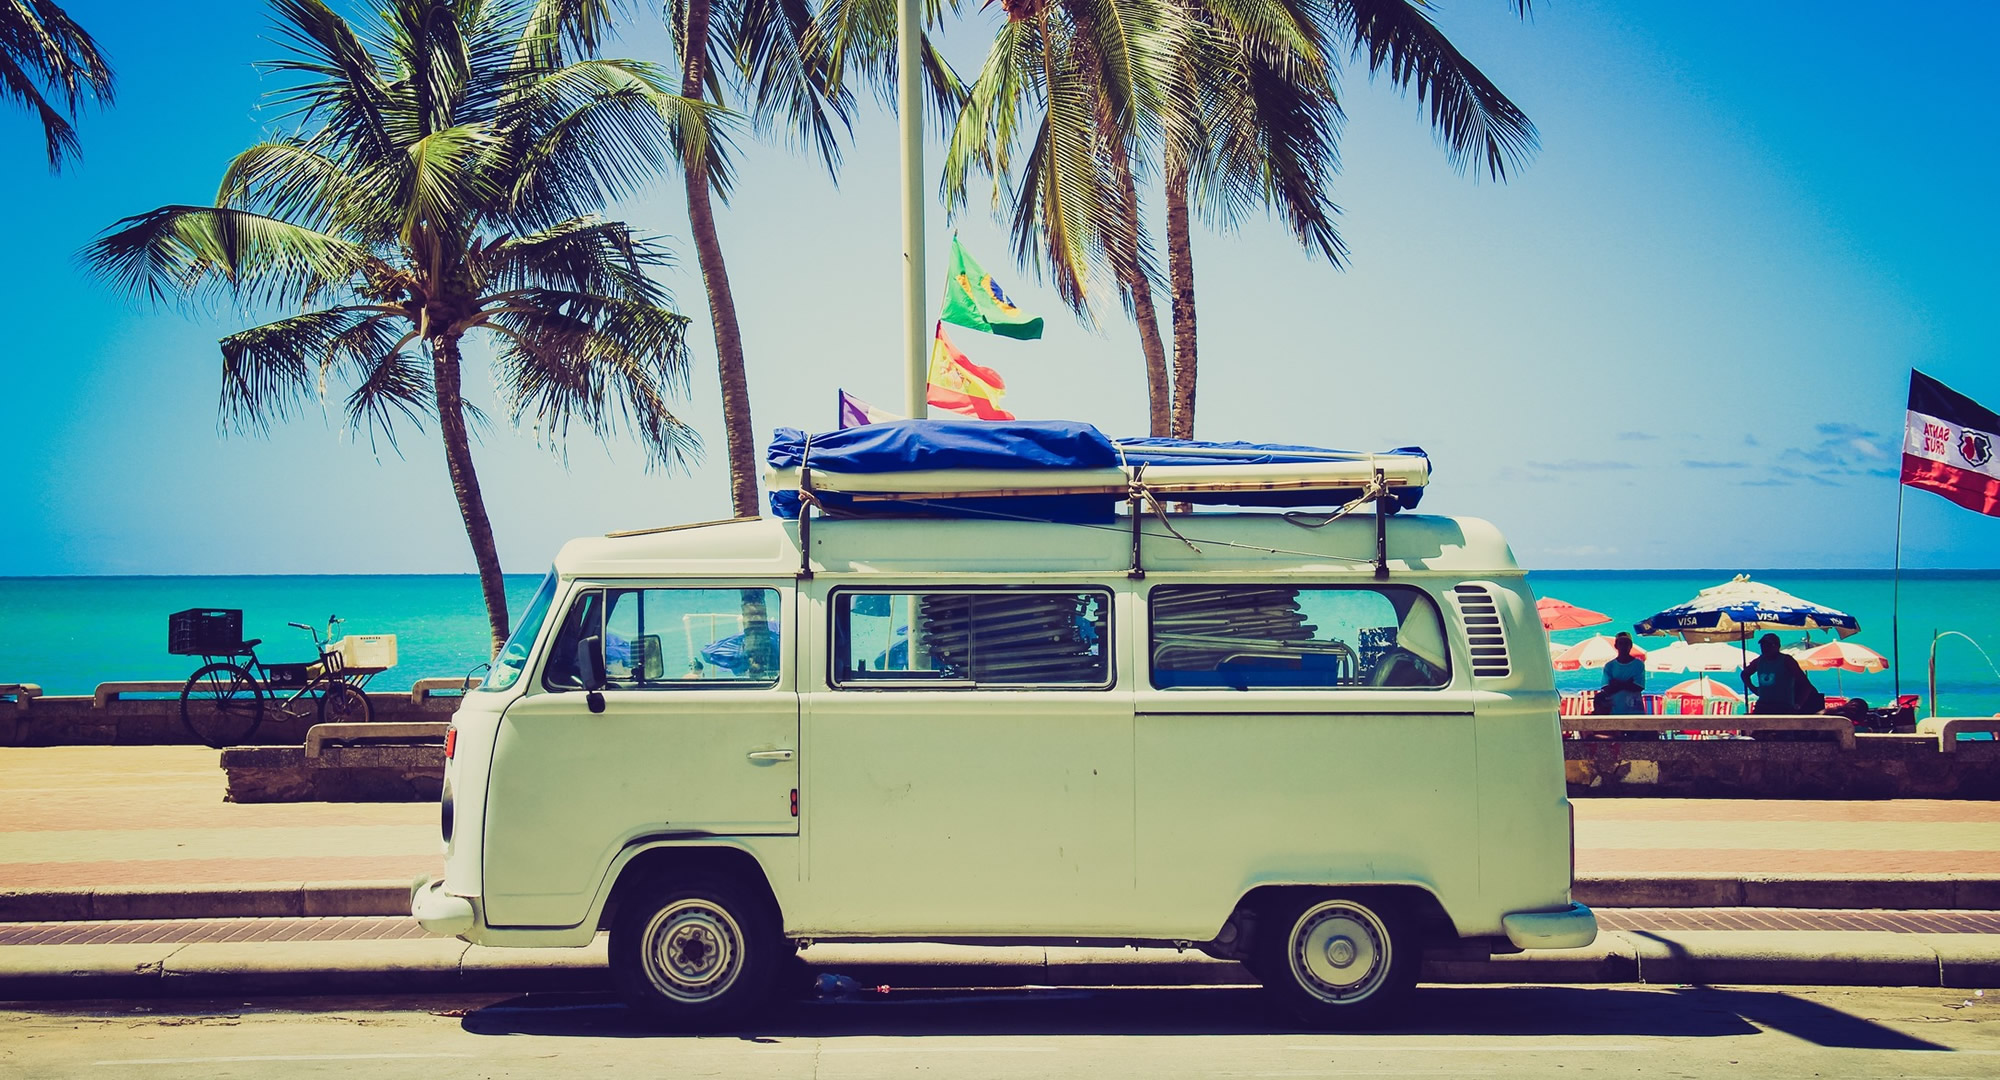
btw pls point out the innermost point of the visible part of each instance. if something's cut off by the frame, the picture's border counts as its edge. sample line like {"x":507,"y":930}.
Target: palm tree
{"x":447,"y":165}
{"x":767,"y":52}
{"x":43,"y":52}
{"x":1091,"y":76}
{"x":1264,"y":125}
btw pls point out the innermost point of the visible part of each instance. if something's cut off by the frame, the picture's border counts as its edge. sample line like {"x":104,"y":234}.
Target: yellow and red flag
{"x":962,"y":386}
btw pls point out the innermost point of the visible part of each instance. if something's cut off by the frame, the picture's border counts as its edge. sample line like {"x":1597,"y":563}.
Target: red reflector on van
{"x":450,"y":742}
{"x":795,"y":802}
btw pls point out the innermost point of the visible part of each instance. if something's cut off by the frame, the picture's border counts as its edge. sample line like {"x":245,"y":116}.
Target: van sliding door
{"x":970,"y":764}
{"x":1297,"y":733}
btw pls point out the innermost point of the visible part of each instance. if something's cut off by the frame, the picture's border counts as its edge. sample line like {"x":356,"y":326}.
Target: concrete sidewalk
{"x":1961,"y":961}
{"x":96,"y":817}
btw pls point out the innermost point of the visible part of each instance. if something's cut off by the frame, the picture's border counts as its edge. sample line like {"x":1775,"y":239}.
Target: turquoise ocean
{"x":70,"y":633}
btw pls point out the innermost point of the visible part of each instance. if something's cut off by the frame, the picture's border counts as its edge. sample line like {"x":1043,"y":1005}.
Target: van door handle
{"x":762,"y":756}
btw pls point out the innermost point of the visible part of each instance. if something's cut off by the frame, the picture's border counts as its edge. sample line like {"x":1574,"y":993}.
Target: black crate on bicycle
{"x":205,"y":631}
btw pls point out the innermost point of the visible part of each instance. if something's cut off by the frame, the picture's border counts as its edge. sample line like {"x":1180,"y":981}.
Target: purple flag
{"x":855,"y":412}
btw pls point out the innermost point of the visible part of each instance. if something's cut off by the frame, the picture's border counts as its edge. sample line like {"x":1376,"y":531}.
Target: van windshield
{"x":513,"y":658}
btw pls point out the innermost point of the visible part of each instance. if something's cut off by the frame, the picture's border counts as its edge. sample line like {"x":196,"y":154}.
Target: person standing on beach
{"x":1625,"y":677}
{"x":1774,"y":676}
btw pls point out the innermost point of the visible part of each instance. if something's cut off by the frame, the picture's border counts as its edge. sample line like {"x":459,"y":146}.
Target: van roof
{"x":1247,"y":543}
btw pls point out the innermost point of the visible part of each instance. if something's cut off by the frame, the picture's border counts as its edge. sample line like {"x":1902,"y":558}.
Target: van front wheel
{"x":1340,"y":961}
{"x":696,"y":953}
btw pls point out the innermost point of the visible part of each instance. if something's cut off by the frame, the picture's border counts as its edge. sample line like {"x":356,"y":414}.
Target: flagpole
{"x":1896,"y":599}
{"x":910,"y":110}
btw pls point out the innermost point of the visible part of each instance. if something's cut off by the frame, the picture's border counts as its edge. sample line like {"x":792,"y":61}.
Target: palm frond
{"x":270,"y":371}
{"x":395,"y":385}
{"x":610,"y":364}
{"x":183,"y":250}
{"x":594,"y":131}
{"x":339,"y":86}
{"x":1477,"y":123}
{"x":44,"y":52}
{"x":787,"y":74}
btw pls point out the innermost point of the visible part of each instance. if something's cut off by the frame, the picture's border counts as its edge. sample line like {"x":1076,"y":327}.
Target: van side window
{"x":1280,"y":637}
{"x":970,"y":639}
{"x":656,"y":639}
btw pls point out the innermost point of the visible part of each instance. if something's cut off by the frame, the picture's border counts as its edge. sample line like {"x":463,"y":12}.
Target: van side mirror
{"x":590,"y":671}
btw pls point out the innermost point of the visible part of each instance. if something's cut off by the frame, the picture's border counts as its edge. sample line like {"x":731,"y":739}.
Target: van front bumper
{"x":438,"y":911}
{"x":1570,"y":928}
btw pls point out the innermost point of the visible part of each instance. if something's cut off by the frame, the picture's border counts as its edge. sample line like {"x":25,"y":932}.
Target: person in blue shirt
{"x":1625,"y":678}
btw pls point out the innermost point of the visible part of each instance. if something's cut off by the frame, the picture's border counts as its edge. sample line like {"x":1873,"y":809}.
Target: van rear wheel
{"x":1339,"y":961}
{"x":696,"y":953}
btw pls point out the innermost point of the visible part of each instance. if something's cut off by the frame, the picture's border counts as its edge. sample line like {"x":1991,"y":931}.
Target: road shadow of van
{"x":1436,"y":1010}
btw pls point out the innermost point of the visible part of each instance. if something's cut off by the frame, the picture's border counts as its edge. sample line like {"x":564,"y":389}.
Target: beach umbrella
{"x":1735,"y":610}
{"x":1838,"y":656}
{"x":1563,"y":615}
{"x":1594,"y":652}
{"x":1704,"y":688}
{"x":1697,"y":656}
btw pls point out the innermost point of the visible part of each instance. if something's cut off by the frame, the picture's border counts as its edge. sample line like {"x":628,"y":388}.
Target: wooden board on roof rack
{"x":1398,"y":471}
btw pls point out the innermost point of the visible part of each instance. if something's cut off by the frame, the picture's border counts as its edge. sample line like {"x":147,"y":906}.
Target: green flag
{"x":973,"y":299}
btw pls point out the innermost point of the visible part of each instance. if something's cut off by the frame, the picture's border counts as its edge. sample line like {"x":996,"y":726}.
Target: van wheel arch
{"x":1256,"y":910}
{"x":653,"y":868}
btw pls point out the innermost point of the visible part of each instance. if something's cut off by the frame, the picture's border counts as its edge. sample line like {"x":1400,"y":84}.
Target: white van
{"x":1318,"y":747}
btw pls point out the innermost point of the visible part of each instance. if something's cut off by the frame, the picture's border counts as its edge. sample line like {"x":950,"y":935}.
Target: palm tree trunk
{"x":715,"y":277}
{"x":1158,"y":395}
{"x":465,"y":484}
{"x":1180,"y":280}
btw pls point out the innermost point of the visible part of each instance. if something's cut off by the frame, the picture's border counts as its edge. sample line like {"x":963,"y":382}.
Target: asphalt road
{"x":1141,"y":1034}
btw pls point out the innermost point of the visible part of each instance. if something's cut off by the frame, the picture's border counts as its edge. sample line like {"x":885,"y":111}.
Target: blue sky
{"x":1679,"y":338}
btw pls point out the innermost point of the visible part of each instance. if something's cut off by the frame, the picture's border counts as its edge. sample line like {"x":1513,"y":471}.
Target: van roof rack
{"x":1067,"y":471}
{"x":929,"y":462}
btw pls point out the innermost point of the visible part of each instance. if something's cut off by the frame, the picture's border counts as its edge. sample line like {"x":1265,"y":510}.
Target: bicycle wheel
{"x":344,"y":703}
{"x":222,"y":704}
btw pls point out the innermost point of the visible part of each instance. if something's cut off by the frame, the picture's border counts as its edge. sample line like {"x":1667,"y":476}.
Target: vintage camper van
{"x":962,"y":698}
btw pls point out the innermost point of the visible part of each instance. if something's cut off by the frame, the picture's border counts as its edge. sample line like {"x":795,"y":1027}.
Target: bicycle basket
{"x":205,"y":632}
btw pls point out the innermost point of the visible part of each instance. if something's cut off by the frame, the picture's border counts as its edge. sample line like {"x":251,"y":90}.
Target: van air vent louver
{"x":1485,"y":637}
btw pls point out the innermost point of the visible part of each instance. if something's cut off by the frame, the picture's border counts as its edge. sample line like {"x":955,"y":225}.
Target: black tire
{"x":343,"y":703}
{"x":1339,"y":961}
{"x":222,"y":705}
{"x":697,"y":952}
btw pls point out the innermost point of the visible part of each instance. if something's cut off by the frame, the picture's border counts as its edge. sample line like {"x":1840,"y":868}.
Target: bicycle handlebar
{"x":298,"y":626}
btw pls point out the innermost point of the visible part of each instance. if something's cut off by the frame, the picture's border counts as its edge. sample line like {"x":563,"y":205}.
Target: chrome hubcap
{"x":1340,"y":951}
{"x":693,"y":950}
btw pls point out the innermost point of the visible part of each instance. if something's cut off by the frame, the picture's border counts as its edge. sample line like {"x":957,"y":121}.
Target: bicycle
{"x":222,"y":703}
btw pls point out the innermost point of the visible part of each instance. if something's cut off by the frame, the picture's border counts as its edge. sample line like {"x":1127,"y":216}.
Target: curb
{"x":441,"y":965}
{"x":257,"y":900}
{"x":250,"y":900}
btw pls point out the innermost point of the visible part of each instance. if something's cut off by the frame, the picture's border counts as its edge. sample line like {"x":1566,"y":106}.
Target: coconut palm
{"x":1264,"y":123}
{"x":443,"y":176}
{"x":1083,"y":82}
{"x":44,"y":54}
{"x":764,"y":52}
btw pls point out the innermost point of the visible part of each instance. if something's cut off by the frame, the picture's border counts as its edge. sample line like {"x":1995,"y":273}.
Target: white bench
{"x":1841,"y":726}
{"x":21,"y":692}
{"x":111,"y":691}
{"x":1947,"y":728}
{"x":412,"y":732}
{"x":424,"y":688}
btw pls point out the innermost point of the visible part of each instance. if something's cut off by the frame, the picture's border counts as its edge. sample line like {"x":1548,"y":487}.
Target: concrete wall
{"x":1879,"y":767}
{"x":156,"y":721}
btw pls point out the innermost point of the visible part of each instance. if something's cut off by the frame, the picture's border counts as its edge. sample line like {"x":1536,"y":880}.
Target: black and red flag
{"x":1951,"y":445}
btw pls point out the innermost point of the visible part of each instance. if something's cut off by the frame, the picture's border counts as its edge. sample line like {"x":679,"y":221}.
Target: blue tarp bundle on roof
{"x":908,"y":445}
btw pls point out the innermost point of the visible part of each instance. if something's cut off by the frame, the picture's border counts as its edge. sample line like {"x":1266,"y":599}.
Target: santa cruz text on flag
{"x":972,"y":299}
{"x":962,"y":386}
{"x":1951,"y":445}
